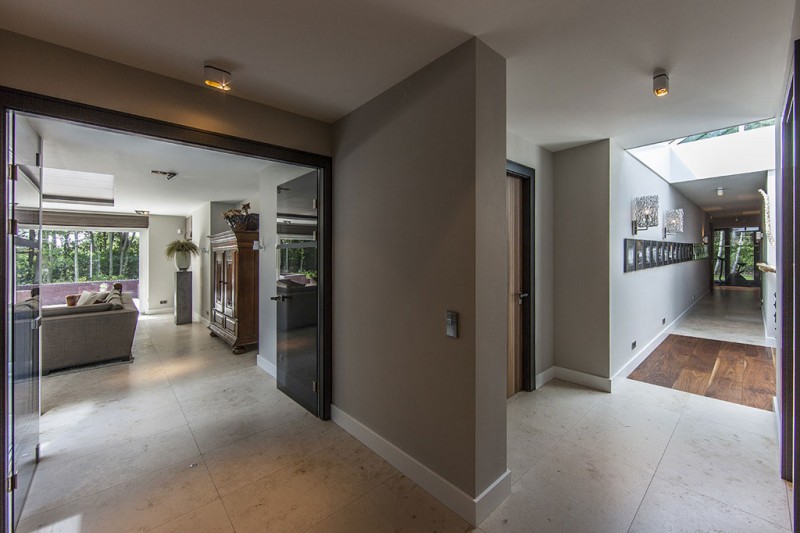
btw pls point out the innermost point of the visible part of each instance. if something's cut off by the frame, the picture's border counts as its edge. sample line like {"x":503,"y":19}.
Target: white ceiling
{"x":578,"y":70}
{"x":202,"y":175}
{"x":740,"y":193}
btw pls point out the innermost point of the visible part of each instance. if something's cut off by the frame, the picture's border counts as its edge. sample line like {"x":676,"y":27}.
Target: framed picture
{"x":672,"y":252}
{"x":630,"y":255}
{"x":661,"y":261}
{"x":648,"y":254}
{"x":639,"y":255}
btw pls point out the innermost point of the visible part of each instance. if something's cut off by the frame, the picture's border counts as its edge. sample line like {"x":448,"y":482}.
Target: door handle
{"x":280,"y":298}
{"x":521,"y":296}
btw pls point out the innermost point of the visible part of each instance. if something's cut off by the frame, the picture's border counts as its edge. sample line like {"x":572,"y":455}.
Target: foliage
{"x":229,"y":214}
{"x":80,"y":255}
{"x":297,"y":260}
{"x":180,"y":245}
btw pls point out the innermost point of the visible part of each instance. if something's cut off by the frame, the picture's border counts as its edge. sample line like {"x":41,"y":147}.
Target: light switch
{"x":451,"y":321}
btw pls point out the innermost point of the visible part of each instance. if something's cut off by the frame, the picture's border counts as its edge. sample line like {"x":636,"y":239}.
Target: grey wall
{"x":40,"y":67}
{"x":408,"y":166}
{"x":523,"y":152}
{"x":161,"y":271}
{"x":640,"y":300}
{"x":581,"y":218}
{"x":201,"y":265}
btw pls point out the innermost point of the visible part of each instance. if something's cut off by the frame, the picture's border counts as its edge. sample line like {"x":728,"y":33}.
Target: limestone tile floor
{"x":730,"y":314}
{"x":191,"y":438}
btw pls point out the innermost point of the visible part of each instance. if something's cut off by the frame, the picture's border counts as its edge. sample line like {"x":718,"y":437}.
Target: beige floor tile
{"x":647,"y":394}
{"x":669,"y":507}
{"x":252,"y":458}
{"x":734,"y":467}
{"x":555,"y":408}
{"x":396,"y":506}
{"x":626,"y":431}
{"x":732,"y":415}
{"x":211,"y":518}
{"x":571,"y":489}
{"x":58,"y":482}
{"x":526,"y":446}
{"x":137,"y":505}
{"x":298,"y":497}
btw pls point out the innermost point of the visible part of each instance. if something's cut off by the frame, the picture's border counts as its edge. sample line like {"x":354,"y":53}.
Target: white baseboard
{"x":473,"y":510}
{"x":648,"y":348}
{"x":160,"y":311}
{"x":543,"y":377}
{"x":266,"y":366}
{"x":582,"y":378}
{"x":197,"y":318}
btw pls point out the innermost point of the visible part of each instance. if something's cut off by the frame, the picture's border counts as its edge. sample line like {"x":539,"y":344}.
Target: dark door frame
{"x":528,"y":177}
{"x":27,"y":102}
{"x":786,"y":234}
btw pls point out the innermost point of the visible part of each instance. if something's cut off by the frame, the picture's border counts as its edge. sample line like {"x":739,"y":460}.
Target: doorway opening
{"x":520,"y":196}
{"x":24,"y":175}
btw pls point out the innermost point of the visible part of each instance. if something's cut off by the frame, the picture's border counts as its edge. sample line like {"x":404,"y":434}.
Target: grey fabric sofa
{"x":77,"y":336}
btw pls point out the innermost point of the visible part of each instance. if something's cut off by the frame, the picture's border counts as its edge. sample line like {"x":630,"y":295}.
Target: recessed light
{"x":217,"y":78}
{"x":720,"y":191}
{"x":142,"y":212}
{"x":660,"y":83}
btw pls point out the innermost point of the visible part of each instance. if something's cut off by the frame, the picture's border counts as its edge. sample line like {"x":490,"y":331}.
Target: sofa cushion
{"x":62,"y":310}
{"x":89,"y":298}
{"x":115,"y":299}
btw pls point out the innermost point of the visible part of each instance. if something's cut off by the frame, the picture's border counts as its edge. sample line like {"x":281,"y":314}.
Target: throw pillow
{"x":115,"y":299}
{"x":72,"y":299}
{"x":87,"y":298}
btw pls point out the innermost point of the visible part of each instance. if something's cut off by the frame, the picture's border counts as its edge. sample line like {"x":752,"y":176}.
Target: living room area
{"x":129,"y":386}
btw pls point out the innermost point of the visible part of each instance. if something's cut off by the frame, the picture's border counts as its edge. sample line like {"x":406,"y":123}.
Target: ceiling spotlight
{"x":166,"y":174}
{"x":217,"y":78}
{"x":660,"y":83}
{"x":142,"y":212}
{"x":720,"y":191}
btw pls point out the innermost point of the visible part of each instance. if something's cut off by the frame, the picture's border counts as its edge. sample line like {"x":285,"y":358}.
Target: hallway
{"x":730,"y":314}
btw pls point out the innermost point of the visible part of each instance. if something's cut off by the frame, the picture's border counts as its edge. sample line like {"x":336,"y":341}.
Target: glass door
{"x":24,"y":199}
{"x":297,"y":292}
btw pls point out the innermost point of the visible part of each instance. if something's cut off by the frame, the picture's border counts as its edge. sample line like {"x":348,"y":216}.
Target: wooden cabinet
{"x":234,"y":316}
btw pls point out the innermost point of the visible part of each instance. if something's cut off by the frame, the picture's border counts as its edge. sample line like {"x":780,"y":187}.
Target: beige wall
{"x":39,"y":67}
{"x":160,"y":270}
{"x":525,"y":153}
{"x":408,"y":166}
{"x":581,"y":221}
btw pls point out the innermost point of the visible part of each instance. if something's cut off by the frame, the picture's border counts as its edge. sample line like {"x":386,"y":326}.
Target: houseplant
{"x":182,"y":251}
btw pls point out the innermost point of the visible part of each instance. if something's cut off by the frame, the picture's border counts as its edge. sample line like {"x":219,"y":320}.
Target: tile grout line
{"x":655,"y":471}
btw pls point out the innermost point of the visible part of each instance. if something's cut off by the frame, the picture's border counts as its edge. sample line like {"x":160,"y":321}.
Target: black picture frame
{"x":629,"y":257}
{"x":639,"y":255}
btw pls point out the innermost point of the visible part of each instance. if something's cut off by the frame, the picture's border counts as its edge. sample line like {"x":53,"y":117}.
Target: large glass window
{"x":84,"y":255}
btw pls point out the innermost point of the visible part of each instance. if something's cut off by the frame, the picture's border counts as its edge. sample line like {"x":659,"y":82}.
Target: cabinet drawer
{"x":231,"y":324}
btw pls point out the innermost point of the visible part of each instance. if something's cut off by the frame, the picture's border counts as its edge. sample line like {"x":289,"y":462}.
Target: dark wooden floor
{"x":739,"y":373}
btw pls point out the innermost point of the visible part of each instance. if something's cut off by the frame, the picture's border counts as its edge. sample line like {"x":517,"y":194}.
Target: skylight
{"x":73,"y":186}
{"x":724,"y":152}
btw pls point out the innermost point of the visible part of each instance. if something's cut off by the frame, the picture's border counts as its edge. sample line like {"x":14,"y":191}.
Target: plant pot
{"x":248,"y":222}
{"x":183,"y":261}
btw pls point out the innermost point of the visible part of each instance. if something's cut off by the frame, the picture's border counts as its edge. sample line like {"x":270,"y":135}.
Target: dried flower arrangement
{"x":241,"y":219}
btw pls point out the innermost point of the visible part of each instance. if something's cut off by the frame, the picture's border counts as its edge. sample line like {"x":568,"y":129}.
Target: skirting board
{"x":647,"y":349}
{"x":160,"y":311}
{"x":544,"y":377}
{"x":266,"y":366}
{"x":200,"y":319}
{"x":473,"y":510}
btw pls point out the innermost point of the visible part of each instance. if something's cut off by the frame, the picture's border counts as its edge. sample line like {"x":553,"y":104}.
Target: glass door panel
{"x":24,"y":251}
{"x":297,"y":295}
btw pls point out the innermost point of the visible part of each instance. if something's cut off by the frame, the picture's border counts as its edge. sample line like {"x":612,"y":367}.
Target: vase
{"x":183,"y":261}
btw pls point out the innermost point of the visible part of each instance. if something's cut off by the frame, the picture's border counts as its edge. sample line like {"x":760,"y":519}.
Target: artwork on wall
{"x":630,"y":255}
{"x":641,"y":254}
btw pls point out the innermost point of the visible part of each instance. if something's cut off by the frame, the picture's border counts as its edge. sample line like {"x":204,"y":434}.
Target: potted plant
{"x":182,"y":251}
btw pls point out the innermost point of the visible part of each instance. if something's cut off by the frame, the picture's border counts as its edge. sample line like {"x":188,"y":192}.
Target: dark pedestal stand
{"x":183,"y":297}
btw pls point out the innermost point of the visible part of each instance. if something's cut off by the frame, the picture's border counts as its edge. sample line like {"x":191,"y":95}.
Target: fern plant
{"x":181,"y":246}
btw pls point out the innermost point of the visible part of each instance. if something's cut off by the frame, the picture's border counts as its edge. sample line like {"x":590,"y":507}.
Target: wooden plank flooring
{"x":739,"y":373}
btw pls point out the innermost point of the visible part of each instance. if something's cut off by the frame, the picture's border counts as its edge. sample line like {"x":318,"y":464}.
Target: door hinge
{"x":315,"y":386}
{"x":11,"y":483}
{"x":38,"y":159}
{"x":38,"y":451}
{"x":315,"y":204}
{"x":12,"y":172}
{"x":13,"y":227}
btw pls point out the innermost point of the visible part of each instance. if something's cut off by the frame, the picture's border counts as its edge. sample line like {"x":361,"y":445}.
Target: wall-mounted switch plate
{"x":162,"y":302}
{"x":451,"y":324}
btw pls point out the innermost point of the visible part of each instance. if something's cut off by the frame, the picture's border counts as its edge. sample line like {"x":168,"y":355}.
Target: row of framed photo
{"x":640,"y":255}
